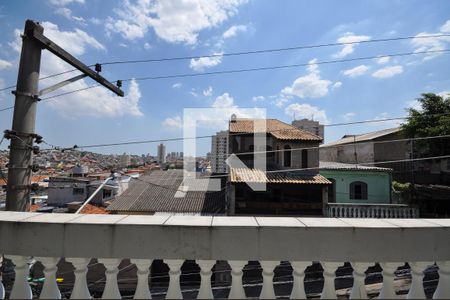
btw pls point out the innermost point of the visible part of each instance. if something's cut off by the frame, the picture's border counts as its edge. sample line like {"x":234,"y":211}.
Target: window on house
{"x":78,"y":191}
{"x":358,"y":190}
{"x":287,"y":156}
{"x":304,"y":158}
{"x":107,"y":193}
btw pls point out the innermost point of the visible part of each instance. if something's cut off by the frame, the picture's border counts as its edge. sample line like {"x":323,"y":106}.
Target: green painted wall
{"x":378,"y":185}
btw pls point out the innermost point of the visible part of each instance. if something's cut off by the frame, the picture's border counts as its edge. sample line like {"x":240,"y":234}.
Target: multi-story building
{"x":302,"y":191}
{"x":161,"y":157}
{"x":219,"y":152}
{"x":310,"y":125}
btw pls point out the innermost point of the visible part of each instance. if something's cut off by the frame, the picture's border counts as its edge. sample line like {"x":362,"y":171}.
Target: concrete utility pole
{"x":23,"y":126}
{"x":22,"y":135}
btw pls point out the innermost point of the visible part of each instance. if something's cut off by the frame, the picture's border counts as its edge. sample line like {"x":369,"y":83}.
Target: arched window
{"x":269,"y":154}
{"x":358,"y":190}
{"x":287,"y":156}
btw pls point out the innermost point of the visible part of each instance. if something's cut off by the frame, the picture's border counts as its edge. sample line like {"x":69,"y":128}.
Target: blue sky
{"x":99,"y":31}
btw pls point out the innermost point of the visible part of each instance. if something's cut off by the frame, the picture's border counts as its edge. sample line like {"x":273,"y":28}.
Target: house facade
{"x":357,"y":184}
{"x":293,"y":184}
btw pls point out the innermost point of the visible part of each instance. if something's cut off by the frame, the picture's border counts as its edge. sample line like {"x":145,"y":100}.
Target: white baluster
{"x":298,"y":273}
{"x":205,"y":291}
{"x":2,"y":287}
{"x":329,"y":273}
{"x":387,"y":290}
{"x":50,"y":289}
{"x":359,"y":288}
{"x":143,"y":272}
{"x":111,"y":290}
{"x":416,"y":291}
{"x":80,"y":289}
{"x":267,"y":291}
{"x":237,"y":289}
{"x":174,"y":290}
{"x":371,"y":214}
{"x":443,"y":287}
{"x":21,"y":289}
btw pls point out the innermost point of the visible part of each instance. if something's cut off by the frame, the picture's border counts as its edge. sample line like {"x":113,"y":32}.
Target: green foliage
{"x":432,"y":119}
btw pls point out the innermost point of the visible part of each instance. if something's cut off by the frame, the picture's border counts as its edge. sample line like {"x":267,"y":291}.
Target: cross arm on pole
{"x":70,"y":59}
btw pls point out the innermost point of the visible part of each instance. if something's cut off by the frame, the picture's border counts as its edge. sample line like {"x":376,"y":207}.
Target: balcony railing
{"x":351,"y":210}
{"x":270,"y":241}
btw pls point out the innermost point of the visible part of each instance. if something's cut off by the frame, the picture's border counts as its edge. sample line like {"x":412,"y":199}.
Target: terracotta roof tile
{"x":254,"y":175}
{"x":276,"y":128}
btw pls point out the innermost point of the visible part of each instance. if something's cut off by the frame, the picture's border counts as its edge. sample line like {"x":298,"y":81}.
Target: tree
{"x":432,"y":119}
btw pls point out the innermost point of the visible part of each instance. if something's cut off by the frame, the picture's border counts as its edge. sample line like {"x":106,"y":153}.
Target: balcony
{"x":269,"y":243}
{"x":351,"y":210}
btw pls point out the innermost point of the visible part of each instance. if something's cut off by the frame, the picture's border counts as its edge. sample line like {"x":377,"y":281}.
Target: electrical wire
{"x":245,"y":53}
{"x":210,"y":136}
{"x":252,"y":70}
{"x":269,"y":50}
{"x":283,"y":66}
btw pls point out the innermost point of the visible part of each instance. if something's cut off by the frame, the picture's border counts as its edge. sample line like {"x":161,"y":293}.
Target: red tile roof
{"x":276,"y":128}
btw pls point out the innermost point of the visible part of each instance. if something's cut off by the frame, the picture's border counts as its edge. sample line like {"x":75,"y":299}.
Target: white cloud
{"x":74,"y":41}
{"x":383,"y":60}
{"x":356,"y":71}
{"x":310,"y":85}
{"x":446,"y":27}
{"x":67,"y":13}
{"x":5,"y":64}
{"x":202,"y":63}
{"x":337,"y":85}
{"x":208,"y":92}
{"x":444,"y":94}
{"x":234,"y":30}
{"x":224,"y":101}
{"x":95,"y":21}
{"x":349,"y":37}
{"x":172,"y":20}
{"x":16,"y":44}
{"x":173,"y":123}
{"x":147,"y":46}
{"x":177,"y":85}
{"x":258,"y":98}
{"x":64,"y":2}
{"x":280,"y":102}
{"x":434,"y":43}
{"x":348,"y":116}
{"x":388,"y":72}
{"x":297,"y":110}
{"x":98,"y":102}
{"x":123,"y":45}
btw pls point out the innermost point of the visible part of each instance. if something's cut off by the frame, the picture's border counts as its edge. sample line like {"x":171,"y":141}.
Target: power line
{"x":283,"y":66}
{"x":251,"y":70}
{"x":271,"y":50}
{"x":209,"y":136}
{"x":46,"y":77}
{"x":318,"y":167}
{"x":268,"y":50}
